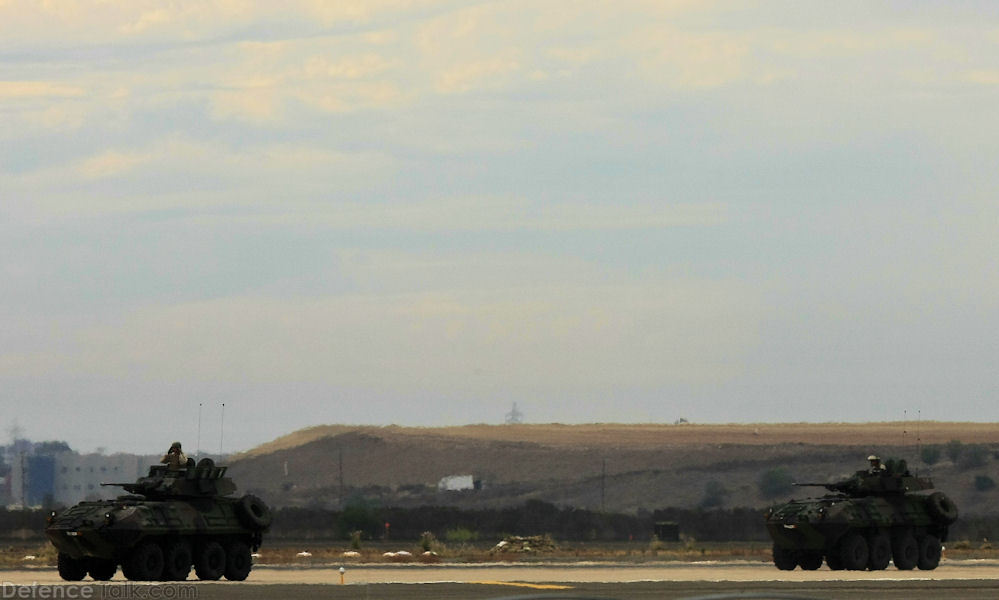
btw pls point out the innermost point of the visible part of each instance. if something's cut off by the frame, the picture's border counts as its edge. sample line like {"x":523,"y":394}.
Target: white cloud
{"x":38,"y":90}
{"x":572,"y":336}
{"x":109,"y":164}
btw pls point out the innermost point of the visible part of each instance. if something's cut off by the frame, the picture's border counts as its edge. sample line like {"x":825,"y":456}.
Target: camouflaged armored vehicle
{"x":873,"y":518}
{"x":168,"y":522}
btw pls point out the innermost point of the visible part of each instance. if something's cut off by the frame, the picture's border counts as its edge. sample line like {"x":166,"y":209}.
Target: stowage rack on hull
{"x":170,"y":522}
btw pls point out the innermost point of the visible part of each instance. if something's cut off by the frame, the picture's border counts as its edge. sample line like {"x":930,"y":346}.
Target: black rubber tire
{"x":101,"y":569}
{"x":785,"y":559}
{"x":209,"y":561}
{"x":146,"y":562}
{"x":71,"y":569}
{"x":238,"y":561}
{"x":941,"y":508}
{"x":810,"y":560}
{"x":929,"y":553}
{"x":904,"y":551}
{"x":253,"y":513}
{"x":177,"y":560}
{"x":879,"y":547}
{"x":853,"y":552}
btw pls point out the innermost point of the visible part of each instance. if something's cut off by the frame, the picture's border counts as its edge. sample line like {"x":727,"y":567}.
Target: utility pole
{"x":603,"y":486}
{"x":340,"y":453}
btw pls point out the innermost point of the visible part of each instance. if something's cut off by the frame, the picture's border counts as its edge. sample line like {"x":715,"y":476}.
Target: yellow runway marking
{"x":536,"y":586}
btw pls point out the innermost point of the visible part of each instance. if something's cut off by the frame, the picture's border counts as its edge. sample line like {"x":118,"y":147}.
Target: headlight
{"x":109,"y":518}
{"x":51,"y":518}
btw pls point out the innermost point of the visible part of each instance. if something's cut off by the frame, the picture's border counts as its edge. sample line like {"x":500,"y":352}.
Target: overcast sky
{"x":421,"y":212}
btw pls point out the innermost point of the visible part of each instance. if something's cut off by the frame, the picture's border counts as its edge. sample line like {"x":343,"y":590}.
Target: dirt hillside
{"x":614,"y":466}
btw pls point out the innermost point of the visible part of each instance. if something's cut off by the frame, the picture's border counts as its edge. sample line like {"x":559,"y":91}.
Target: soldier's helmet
{"x":175,"y":445}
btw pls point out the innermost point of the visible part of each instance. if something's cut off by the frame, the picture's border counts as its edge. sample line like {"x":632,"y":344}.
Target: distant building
{"x":66,"y":478}
{"x":457,"y":483}
{"x":79,"y":476}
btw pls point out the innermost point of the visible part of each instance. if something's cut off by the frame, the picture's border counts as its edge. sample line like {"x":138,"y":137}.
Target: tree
{"x":930,"y":454}
{"x":359,"y":515}
{"x":974,"y":456}
{"x":52,"y":447}
{"x":714,"y":494}
{"x":775,"y":482}
{"x":954,"y":449}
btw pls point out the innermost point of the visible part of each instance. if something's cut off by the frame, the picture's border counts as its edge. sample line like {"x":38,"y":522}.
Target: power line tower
{"x":514,"y":416}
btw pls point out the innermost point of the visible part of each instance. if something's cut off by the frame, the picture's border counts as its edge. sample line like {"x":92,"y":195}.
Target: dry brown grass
{"x":12,"y":557}
{"x":688,"y":551}
{"x":27,"y":555}
{"x":638,"y":436}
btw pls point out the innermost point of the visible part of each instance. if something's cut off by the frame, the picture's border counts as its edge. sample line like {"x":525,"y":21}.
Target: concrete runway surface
{"x":953,"y":580}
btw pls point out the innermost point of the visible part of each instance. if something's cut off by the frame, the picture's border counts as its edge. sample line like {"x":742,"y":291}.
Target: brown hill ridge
{"x":597,"y":435}
{"x":614,"y":466}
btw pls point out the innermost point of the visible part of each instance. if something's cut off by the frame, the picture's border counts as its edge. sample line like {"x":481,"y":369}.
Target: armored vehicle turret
{"x":877,"y":516}
{"x":169,"y":521}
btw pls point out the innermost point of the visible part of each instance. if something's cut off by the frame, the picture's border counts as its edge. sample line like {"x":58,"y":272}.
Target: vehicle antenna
{"x":197,"y":447}
{"x":919,"y":440}
{"x":221,"y":430}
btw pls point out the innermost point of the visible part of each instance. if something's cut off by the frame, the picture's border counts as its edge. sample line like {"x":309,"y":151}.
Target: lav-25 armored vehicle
{"x":867,"y":520}
{"x":169,"y":521}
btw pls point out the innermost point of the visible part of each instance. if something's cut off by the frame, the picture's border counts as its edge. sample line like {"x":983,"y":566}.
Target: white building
{"x":79,"y":476}
{"x":66,"y":478}
{"x":456,"y":483}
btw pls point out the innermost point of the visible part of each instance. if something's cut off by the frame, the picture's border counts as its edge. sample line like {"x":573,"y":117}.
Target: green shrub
{"x":984,"y":483}
{"x":930,"y":454}
{"x":427,"y":541}
{"x":460,"y":535}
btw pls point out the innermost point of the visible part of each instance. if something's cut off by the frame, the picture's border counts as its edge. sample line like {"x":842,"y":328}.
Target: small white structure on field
{"x":456,"y":483}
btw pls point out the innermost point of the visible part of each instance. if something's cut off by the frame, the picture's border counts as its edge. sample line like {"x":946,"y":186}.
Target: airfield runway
{"x":955,"y":580}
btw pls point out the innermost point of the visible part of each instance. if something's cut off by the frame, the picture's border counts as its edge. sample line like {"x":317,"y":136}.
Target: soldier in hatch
{"x":174,"y":458}
{"x":877,"y":468}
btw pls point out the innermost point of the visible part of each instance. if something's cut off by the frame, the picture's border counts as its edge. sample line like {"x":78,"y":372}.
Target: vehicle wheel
{"x":785,"y":558}
{"x":904,"y":551}
{"x":880,"y":552}
{"x":177,"y":561}
{"x":238,"y":561}
{"x":71,"y":569}
{"x":941,"y":508}
{"x":810,"y":560}
{"x":146,"y":562}
{"x":101,"y":569}
{"x":209,"y":562}
{"x":929,"y":553}
{"x":853,"y":552}
{"x":253,"y":512}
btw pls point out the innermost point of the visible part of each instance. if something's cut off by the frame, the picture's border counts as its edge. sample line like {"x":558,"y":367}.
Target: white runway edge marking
{"x":534,"y":586}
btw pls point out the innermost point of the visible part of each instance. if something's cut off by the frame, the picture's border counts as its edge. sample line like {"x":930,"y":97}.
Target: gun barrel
{"x":810,"y":484}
